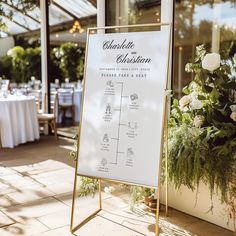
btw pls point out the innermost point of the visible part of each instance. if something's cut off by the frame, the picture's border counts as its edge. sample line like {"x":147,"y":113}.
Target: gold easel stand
{"x":87,"y":219}
{"x":75,"y":228}
{"x":164,"y":130}
{"x":72,"y":228}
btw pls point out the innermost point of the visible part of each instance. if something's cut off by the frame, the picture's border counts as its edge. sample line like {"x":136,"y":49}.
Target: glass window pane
{"x":31,"y":20}
{"x":12,"y":27}
{"x":57,"y":16}
{"x":35,"y":13}
{"x":133,"y":12}
{"x":21,"y":18}
{"x":79,"y":8}
{"x":200,"y":22}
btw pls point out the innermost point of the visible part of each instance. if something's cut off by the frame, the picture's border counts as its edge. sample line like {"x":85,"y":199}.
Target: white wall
{"x":5,"y":45}
{"x":185,"y":200}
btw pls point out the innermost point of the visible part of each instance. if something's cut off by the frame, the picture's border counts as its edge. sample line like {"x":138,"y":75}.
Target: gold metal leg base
{"x":85,"y":221}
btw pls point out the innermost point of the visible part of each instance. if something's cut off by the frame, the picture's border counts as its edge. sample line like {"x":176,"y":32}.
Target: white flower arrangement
{"x":211,"y":61}
{"x":234,"y":57}
{"x":195,"y":103}
{"x":233,"y":108}
{"x":198,"y":121}
{"x":205,"y":135}
{"x":233,"y":116}
{"x":191,"y":100}
{"x":184,"y":101}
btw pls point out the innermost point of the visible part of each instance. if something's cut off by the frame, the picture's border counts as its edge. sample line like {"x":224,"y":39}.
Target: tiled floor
{"x":36,"y":181}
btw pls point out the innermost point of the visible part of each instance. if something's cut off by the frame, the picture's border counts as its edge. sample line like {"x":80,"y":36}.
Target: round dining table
{"x":18,"y":120}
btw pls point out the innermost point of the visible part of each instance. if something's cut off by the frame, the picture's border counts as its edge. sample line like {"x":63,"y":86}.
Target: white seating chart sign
{"x":121,"y":129}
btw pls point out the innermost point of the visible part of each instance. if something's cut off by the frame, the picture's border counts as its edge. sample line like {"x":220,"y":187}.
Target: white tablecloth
{"x":77,"y":99}
{"x":18,"y":120}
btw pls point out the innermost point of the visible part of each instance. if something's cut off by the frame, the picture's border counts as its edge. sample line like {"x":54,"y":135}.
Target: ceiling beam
{"x":18,"y":10}
{"x":65,"y":10}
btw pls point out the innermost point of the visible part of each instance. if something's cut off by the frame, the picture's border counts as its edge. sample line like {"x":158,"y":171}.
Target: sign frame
{"x":163,"y":128}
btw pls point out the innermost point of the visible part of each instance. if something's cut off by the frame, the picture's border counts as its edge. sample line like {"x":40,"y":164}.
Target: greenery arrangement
{"x":87,"y":186}
{"x":69,"y":57}
{"x":24,"y":63}
{"x":138,"y":195}
{"x":202,"y":127}
{"x":5,"y":67}
{"x":20,"y":64}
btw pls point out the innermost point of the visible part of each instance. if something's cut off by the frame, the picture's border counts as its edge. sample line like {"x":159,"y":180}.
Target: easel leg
{"x":164,"y":141}
{"x":73,"y":229}
{"x":73,"y":198}
{"x":166,"y":166}
{"x":157,"y":213}
{"x":100,"y":193}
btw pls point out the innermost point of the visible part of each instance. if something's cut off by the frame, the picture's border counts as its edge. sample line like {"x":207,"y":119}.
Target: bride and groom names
{"x":126,"y":57}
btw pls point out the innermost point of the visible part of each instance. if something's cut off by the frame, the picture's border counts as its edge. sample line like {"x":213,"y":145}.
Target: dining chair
{"x":66,"y":104}
{"x":5,"y":84}
{"x":49,"y":119}
{"x":37,"y":94}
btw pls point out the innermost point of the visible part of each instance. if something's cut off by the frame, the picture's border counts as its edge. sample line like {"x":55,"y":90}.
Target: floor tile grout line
{"x":129,"y":218}
{"x":36,"y":218}
{"x":19,"y":204}
{"x":62,"y":201}
{"x":134,"y":230}
{"x":9,"y":217}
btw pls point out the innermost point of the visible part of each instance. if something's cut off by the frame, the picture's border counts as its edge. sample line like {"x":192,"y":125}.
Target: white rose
{"x":233,"y":116}
{"x":195,"y":103}
{"x":184,"y":109}
{"x":185,"y":100}
{"x":198,"y":121}
{"x":233,"y":108}
{"x":234,"y":58}
{"x":211,"y":61}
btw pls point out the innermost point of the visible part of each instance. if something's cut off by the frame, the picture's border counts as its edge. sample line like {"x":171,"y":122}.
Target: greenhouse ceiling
{"x":20,"y":16}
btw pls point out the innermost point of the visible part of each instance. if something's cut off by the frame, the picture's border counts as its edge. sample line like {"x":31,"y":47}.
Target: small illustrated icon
{"x":134,"y":97}
{"x":110,"y":83}
{"x":132,"y":125}
{"x":104,"y":162}
{"x":105,"y":138}
{"x":108,"y":109}
{"x":130,"y":152}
